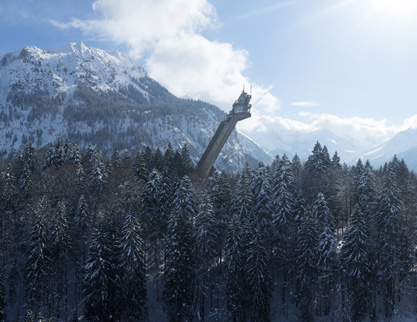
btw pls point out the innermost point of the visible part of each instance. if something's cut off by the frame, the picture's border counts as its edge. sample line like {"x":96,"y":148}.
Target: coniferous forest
{"x":138,"y":237}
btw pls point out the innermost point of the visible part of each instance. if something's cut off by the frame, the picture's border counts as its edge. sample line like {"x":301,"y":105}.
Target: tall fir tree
{"x":38,"y":259}
{"x":60,"y":253}
{"x":236,"y":290}
{"x":258,"y":275}
{"x":306,"y":269}
{"x":356,"y":264}
{"x":101,"y":279}
{"x":206,"y":237}
{"x":282,"y":207}
{"x":140,"y":168}
{"x":326,"y":252}
{"x":393,"y":244}
{"x":132,"y":271}
{"x":178,"y":275}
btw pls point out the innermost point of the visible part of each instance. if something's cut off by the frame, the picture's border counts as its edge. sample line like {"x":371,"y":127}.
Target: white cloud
{"x":365,"y":132}
{"x":191,"y":65}
{"x":304,"y":104}
{"x":411,"y":122}
{"x":140,"y":24}
{"x":167,"y":33}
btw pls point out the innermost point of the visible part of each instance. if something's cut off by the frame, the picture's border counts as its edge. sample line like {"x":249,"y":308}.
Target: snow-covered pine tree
{"x":140,"y":169}
{"x":60,"y":252}
{"x":326,"y":251}
{"x":236,"y":290}
{"x":282,"y":207}
{"x":178,"y":275}
{"x":322,"y":214}
{"x":81,"y":217}
{"x":177,"y":165}
{"x":274,"y":166}
{"x":283,"y":197}
{"x":49,"y":156}
{"x":262,"y":200}
{"x":242,"y":202}
{"x":169,"y":158}
{"x":220,"y":195}
{"x":165,"y":195}
{"x":26,"y":156}
{"x":61,"y":241}
{"x":219,"y":191}
{"x":206,"y":237}
{"x":115,"y":160}
{"x":258,"y":276}
{"x":316,"y":174}
{"x":38,"y":259}
{"x":306,"y":270}
{"x":356,"y":264}
{"x":8,"y":199}
{"x":187,"y":163}
{"x":101,"y":280}
{"x":59,"y":156}
{"x":98,"y":176}
{"x":297,"y":169}
{"x":393,"y":244}
{"x":25,"y":183}
{"x":356,"y":173}
{"x":73,"y":155}
{"x":148,"y":205}
{"x":132,"y":271}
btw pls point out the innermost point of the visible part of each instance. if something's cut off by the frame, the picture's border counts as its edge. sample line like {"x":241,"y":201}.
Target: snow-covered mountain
{"x":301,"y":143}
{"x":93,"y":96}
{"x":403,"y":144}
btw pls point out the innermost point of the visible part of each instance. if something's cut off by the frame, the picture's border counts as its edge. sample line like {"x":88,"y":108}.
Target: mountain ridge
{"x":104,"y":98}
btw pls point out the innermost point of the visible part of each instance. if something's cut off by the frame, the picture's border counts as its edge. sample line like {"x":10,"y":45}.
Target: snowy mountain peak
{"x":55,"y":72}
{"x":73,"y":48}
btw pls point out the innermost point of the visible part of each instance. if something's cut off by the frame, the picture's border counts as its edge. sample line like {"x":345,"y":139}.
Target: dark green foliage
{"x":132,"y":271}
{"x":101,"y":281}
{"x":3,"y":302}
{"x":140,"y":167}
{"x":258,"y":276}
{"x":356,"y":263}
{"x":178,"y":275}
{"x":306,"y":270}
{"x":138,"y":247}
{"x":38,"y":258}
{"x":393,"y":251}
{"x":235,"y":276}
{"x":186,"y":162}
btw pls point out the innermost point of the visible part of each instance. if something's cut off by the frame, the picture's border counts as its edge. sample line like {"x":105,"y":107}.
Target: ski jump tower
{"x":239,"y":112}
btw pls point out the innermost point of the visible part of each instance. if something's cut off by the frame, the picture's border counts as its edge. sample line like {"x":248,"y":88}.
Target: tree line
{"x":137,"y":237}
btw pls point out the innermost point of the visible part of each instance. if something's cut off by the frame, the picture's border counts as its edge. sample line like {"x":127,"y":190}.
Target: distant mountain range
{"x":403,"y":144}
{"x":93,"y":96}
{"x":105,"y":98}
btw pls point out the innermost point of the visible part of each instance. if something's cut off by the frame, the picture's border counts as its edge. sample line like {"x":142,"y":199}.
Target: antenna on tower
{"x":243,"y":86}
{"x":251,"y":89}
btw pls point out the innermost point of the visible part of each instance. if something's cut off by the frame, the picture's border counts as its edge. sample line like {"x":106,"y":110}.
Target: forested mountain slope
{"x":106,"y":99}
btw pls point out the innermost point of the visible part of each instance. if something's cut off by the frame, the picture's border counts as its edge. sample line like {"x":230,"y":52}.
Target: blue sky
{"x":346,"y":65}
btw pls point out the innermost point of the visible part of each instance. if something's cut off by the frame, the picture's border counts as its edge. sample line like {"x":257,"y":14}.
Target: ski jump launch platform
{"x":240,"y":111}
